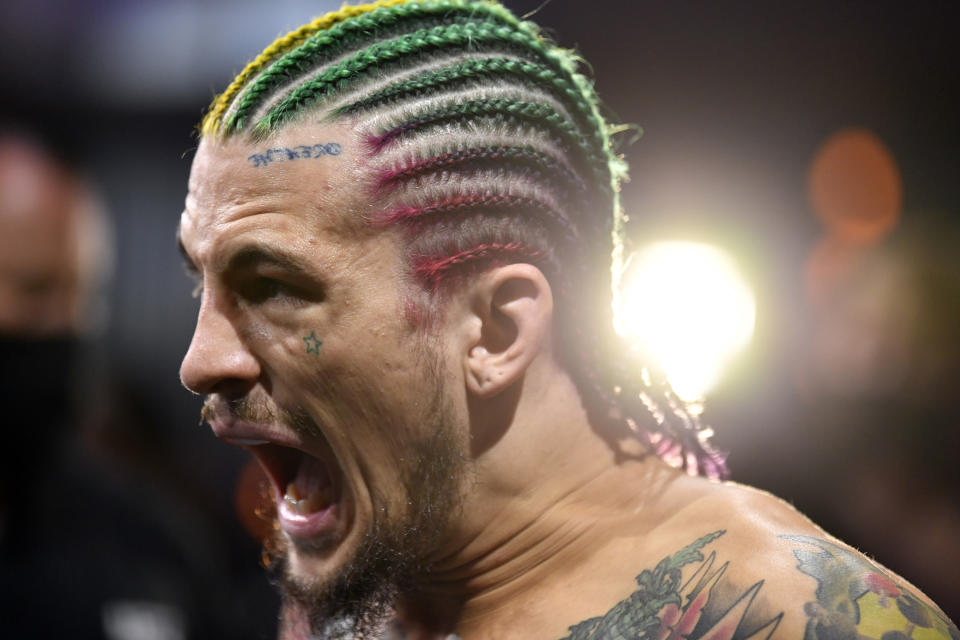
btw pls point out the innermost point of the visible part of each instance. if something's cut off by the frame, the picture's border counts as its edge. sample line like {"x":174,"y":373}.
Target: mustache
{"x":252,"y":410}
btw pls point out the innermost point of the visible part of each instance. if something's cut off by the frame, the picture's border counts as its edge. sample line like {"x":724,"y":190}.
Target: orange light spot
{"x":855,"y":186}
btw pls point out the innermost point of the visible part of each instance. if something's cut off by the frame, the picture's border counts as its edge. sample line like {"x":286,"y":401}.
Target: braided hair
{"x":486,"y":146}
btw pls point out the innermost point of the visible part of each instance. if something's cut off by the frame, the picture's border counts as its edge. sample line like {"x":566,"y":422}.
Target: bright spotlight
{"x":685,"y":305}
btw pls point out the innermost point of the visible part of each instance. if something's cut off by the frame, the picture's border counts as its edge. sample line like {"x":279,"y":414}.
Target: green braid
{"x":498,"y":25}
{"x":374,"y":26}
{"x":470,"y":69}
{"x":342,"y":75}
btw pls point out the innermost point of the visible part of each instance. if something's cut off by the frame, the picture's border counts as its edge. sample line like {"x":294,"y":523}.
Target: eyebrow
{"x":255,"y":255}
{"x":250,"y":256}
{"x":187,"y":260}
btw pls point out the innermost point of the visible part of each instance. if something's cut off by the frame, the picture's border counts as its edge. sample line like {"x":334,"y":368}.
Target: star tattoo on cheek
{"x":313,"y":343}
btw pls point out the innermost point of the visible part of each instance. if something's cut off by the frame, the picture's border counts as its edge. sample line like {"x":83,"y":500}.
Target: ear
{"x":514,"y":306}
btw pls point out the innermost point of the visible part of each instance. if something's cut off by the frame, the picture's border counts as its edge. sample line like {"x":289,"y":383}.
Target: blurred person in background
{"x":89,"y":546}
{"x":401,"y":219}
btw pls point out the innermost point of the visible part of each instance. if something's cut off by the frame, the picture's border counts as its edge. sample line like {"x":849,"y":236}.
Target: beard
{"x":361,"y":600}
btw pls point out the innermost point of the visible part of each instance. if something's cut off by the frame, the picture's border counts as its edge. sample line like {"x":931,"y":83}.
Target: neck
{"x":546,"y":496}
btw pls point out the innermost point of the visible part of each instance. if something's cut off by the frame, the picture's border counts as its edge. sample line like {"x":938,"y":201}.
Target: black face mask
{"x":36,"y":395}
{"x":36,"y":405}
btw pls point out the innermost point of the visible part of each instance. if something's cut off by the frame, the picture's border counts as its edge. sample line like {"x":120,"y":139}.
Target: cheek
{"x":259,"y":333}
{"x":364,"y":365}
{"x":291,"y":356}
{"x":306,"y":353}
{"x":321,"y":365}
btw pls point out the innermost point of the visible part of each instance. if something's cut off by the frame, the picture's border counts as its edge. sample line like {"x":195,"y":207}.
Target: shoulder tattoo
{"x":686,"y":598}
{"x":855,"y":600}
{"x":666,"y":606}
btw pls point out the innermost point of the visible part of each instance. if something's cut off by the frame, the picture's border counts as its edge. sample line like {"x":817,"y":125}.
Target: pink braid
{"x":433,"y":269}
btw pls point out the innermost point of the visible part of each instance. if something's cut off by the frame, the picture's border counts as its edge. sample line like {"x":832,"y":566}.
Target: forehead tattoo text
{"x":299,"y":152}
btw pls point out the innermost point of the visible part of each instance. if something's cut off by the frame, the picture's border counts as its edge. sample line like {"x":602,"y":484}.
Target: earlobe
{"x":479,"y":369}
{"x":514,"y":304}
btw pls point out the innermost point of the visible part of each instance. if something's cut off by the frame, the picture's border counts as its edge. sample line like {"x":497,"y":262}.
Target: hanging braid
{"x":486,"y":145}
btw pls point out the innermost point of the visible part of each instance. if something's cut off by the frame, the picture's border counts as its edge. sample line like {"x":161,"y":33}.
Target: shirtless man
{"x":402,"y":218}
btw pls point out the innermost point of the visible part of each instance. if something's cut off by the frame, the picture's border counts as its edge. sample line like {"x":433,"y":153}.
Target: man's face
{"x":40,"y":243}
{"x":306,"y":357}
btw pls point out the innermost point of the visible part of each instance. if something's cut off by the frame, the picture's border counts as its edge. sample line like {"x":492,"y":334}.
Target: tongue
{"x":309,"y":491}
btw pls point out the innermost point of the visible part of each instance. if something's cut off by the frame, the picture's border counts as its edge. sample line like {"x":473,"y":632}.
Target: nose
{"x":218,"y":360}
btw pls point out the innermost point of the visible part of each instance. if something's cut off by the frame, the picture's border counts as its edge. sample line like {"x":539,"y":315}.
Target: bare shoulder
{"x":735,"y":563}
{"x":840,"y":592}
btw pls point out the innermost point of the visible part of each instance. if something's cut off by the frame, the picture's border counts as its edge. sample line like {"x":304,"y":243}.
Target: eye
{"x":259,"y":289}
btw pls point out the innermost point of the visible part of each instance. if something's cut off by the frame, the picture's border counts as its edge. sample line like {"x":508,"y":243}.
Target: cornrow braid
{"x":471,"y":202}
{"x":340,"y":75}
{"x":502,"y":27}
{"x":325,"y":44}
{"x":214,"y":118}
{"x":432,"y":269}
{"x":534,"y":73}
{"x":540,"y":162}
{"x":535,"y":113}
{"x":483,"y":144}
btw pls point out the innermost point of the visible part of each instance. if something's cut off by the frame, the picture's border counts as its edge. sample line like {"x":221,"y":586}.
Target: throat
{"x":490,"y":574}
{"x":526,"y":556}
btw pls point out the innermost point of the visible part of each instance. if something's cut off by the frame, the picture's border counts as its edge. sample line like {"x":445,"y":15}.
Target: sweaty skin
{"x":557,"y":534}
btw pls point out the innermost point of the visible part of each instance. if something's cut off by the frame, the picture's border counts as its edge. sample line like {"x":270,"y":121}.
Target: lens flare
{"x":686,"y":306}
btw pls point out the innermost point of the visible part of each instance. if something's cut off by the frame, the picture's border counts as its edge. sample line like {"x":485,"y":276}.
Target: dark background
{"x":735,"y":99}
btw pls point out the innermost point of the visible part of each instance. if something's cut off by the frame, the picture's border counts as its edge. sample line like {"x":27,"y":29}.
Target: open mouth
{"x":308,"y":484}
{"x":306,"y":491}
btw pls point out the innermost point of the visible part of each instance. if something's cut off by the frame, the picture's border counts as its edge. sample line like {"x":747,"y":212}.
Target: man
{"x":400,"y":218}
{"x":87,"y":544}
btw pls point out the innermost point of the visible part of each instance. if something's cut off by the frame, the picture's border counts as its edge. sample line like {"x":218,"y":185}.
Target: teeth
{"x":292,"y":492}
{"x":316,"y":501}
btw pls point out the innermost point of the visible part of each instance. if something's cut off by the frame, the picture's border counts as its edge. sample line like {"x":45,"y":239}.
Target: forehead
{"x":309,"y":177}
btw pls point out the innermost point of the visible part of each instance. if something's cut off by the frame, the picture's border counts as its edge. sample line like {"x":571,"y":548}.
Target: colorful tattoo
{"x":313,"y":343}
{"x":856,"y":600}
{"x":286,"y":154}
{"x":664,"y":608}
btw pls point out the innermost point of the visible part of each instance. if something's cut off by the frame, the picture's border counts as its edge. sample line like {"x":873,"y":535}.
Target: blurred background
{"x":816,"y":144}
